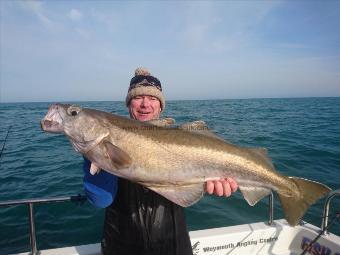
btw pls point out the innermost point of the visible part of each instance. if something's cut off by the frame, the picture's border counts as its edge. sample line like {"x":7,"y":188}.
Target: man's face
{"x":145,"y":108}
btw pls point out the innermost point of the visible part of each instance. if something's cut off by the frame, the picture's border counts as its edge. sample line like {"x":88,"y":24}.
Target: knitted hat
{"x":143,"y":83}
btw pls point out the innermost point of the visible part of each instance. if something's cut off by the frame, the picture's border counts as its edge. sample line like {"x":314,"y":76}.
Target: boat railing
{"x":325,"y":216}
{"x":271,"y":208}
{"x":81,"y":198}
{"x":30,"y":203}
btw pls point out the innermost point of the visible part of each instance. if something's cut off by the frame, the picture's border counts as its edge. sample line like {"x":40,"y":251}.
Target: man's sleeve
{"x":101,"y":188}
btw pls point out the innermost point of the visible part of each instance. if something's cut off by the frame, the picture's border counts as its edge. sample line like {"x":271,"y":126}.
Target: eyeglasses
{"x":145,"y":80}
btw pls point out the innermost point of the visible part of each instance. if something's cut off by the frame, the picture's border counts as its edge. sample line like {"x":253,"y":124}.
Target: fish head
{"x":54,"y":119}
{"x":80,"y":125}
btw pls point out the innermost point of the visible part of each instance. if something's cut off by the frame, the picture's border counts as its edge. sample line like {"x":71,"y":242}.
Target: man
{"x":138,"y":220}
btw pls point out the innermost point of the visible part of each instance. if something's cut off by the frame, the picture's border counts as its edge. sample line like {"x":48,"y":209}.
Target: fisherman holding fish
{"x":138,"y":220}
{"x":175,"y":164}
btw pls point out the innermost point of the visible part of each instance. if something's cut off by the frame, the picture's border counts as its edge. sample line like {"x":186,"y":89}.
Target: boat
{"x":272,"y":237}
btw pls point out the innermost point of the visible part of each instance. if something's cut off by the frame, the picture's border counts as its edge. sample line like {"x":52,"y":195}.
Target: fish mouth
{"x":53,"y":121}
{"x":51,"y":126}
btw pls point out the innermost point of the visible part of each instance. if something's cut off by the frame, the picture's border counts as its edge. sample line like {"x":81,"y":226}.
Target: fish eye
{"x":73,"y":110}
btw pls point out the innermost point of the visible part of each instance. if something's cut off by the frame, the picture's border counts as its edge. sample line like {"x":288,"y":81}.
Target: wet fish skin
{"x":176,"y":162}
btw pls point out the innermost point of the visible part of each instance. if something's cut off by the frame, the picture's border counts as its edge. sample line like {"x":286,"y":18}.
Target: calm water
{"x":301,"y":135}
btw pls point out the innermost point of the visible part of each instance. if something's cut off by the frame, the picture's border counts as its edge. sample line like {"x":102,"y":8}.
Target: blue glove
{"x":101,"y":188}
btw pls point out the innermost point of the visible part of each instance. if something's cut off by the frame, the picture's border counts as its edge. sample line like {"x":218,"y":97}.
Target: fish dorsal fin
{"x":199,"y":127}
{"x":166,"y":122}
{"x":119,"y":158}
{"x":183,"y":195}
{"x":263,"y":153}
{"x":254,"y":194}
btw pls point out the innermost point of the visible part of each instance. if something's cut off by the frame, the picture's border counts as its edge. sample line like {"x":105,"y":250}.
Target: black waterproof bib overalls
{"x":141,"y":222}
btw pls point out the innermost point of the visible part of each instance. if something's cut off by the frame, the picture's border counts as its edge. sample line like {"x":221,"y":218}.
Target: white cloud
{"x":37,"y":8}
{"x":75,"y":15}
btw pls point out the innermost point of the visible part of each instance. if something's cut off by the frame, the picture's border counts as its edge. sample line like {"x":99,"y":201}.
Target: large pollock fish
{"x":177,"y":161}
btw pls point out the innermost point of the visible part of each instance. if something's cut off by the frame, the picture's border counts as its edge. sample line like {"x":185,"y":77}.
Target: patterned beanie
{"x":143,"y":83}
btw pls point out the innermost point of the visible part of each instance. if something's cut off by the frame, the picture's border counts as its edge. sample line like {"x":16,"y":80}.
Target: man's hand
{"x":222,"y":187}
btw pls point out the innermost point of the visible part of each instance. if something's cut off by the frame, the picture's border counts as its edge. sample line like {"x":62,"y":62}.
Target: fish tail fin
{"x":295,"y":207}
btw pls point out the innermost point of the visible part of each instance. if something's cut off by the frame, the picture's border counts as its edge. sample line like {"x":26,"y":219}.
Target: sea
{"x":302,"y":136}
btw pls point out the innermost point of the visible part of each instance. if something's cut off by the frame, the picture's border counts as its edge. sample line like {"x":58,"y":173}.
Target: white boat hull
{"x":255,"y":238}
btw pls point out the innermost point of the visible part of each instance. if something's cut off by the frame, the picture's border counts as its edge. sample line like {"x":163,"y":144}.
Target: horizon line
{"x":172,"y":100}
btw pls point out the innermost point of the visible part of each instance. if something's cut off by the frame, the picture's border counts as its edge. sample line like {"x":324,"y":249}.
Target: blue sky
{"x":88,"y":50}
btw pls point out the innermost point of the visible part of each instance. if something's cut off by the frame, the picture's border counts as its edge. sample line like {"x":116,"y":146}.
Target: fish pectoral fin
{"x":119,"y":158}
{"x":183,"y":195}
{"x":254,"y":194}
{"x":94,"y":169}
